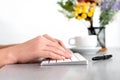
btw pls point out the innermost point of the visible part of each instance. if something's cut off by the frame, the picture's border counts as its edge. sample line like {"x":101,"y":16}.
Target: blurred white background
{"x":21,"y":20}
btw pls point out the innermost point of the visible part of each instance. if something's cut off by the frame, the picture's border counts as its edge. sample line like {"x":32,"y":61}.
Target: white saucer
{"x":88,"y":50}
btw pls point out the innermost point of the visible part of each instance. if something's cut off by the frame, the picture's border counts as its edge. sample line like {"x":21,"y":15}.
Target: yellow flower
{"x":90,"y":14}
{"x":79,"y":17}
{"x":92,"y":10}
{"x":79,"y":10}
{"x":83,"y":3}
{"x":84,"y":15}
{"x":78,"y":5}
{"x":75,"y":13}
{"x":88,"y":3}
{"x":84,"y":10}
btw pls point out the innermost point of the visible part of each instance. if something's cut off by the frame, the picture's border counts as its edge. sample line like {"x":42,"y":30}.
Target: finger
{"x":62,"y":44}
{"x":50,"y":38}
{"x":55,"y":41}
{"x":57,"y":51}
{"x":49,"y":54}
{"x":67,"y":50}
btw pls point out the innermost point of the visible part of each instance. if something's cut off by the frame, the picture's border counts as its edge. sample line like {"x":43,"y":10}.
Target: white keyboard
{"x":76,"y":59}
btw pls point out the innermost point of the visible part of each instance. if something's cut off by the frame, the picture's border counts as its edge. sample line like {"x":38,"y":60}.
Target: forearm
{"x":6,"y":57}
{"x":3,"y":58}
{"x":5,"y":46}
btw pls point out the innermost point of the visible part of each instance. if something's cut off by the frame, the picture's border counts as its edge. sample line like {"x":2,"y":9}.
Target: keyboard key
{"x":78,"y":56}
{"x":52,"y":61}
{"x":74,"y":58}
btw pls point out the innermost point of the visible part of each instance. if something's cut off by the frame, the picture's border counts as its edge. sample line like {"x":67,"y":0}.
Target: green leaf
{"x":66,"y":14}
{"x":68,"y":5}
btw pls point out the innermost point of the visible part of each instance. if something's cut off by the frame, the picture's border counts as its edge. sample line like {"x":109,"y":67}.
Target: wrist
{"x":11,"y":58}
{"x":7,"y":57}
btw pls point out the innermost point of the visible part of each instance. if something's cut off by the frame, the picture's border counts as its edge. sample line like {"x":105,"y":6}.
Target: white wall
{"x":21,"y":20}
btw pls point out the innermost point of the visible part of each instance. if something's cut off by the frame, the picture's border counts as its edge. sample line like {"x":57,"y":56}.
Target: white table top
{"x":95,"y":70}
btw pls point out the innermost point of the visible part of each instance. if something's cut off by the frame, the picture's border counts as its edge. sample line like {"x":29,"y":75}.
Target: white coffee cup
{"x":83,"y":41}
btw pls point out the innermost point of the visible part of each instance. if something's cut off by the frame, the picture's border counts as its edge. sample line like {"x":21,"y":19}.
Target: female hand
{"x":40,"y":47}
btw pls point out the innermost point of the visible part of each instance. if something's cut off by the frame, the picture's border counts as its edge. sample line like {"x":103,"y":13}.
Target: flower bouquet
{"x":80,"y":10}
{"x":84,"y":9}
{"x":108,"y":9}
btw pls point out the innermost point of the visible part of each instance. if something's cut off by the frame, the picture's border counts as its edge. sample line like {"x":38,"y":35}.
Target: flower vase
{"x":100,"y":34}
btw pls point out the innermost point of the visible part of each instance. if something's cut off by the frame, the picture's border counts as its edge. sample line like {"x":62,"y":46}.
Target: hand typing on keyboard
{"x":75,"y":59}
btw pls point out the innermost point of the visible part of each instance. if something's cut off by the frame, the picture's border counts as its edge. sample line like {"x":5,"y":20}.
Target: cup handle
{"x":69,"y":41}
